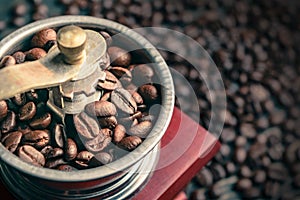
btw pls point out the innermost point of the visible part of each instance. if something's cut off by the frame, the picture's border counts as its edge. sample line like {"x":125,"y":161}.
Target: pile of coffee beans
{"x":104,"y":131}
{"x":255,"y":46}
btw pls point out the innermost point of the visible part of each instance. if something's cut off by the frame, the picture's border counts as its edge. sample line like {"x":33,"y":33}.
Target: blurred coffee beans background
{"x":256,"y":46}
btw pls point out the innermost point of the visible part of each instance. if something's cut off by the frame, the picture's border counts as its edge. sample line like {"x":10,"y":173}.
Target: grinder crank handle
{"x":61,"y":64}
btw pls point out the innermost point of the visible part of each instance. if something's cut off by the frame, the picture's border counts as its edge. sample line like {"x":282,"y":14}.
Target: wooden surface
{"x":185,"y":149}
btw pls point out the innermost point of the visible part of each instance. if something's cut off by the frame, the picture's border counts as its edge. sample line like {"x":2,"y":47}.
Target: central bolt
{"x":71,"y":42}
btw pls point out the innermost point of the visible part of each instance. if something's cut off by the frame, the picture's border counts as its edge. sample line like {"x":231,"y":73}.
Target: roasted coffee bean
{"x":118,"y":56}
{"x":3,"y":109}
{"x":24,"y":129}
{"x":119,"y":133}
{"x":108,"y":122}
{"x":204,"y":177}
{"x":27,"y":111}
{"x":142,"y":74}
{"x":244,"y":184}
{"x":46,"y":150}
{"x":277,"y":172}
{"x":83,"y":158}
{"x":70,"y":149}
{"x":7,"y":61}
{"x":53,"y":163}
{"x":141,"y":130}
{"x":37,"y":138}
{"x":59,"y":135}
{"x":240,"y":155}
{"x":86,"y":126}
{"x":35,"y":54}
{"x":138,"y":98}
{"x":66,"y":168}
{"x":105,"y":96}
{"x":9,"y":123}
{"x":54,"y":153}
{"x":19,"y":57}
{"x":103,"y":157}
{"x":110,"y":82}
{"x":107,"y":132}
{"x":130,"y":142}
{"x":41,"y":38}
{"x":30,"y":155}
{"x":49,"y":45}
{"x":19,"y":99}
{"x":41,"y":122}
{"x":147,"y":117}
{"x":107,"y":37}
{"x":123,"y":101}
{"x":123,"y":74}
{"x":149,"y":93}
{"x":12,"y":140}
{"x":101,"y":109}
{"x":98,"y":143}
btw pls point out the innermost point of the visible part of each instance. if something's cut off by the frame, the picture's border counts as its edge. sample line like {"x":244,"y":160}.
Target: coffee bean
{"x":110,"y":82}
{"x":42,"y":37}
{"x":130,"y":142}
{"x":59,"y":135}
{"x":83,"y":158}
{"x":41,"y":122}
{"x":204,"y":177}
{"x":53,"y":163}
{"x":107,"y":132}
{"x":252,"y":193}
{"x":138,"y":98}
{"x":123,"y":74}
{"x":248,"y":130}
{"x":123,"y":101}
{"x":66,"y":168}
{"x":103,"y":157}
{"x":141,"y":130}
{"x":30,"y":155}
{"x":86,"y":126}
{"x":277,"y":171}
{"x":9,"y":123}
{"x":98,"y":143}
{"x":46,"y":150}
{"x":12,"y":140}
{"x":272,"y":189}
{"x":19,"y":57}
{"x":37,"y":138}
{"x":7,"y":61}
{"x":19,"y":99}
{"x":240,"y":155}
{"x":119,"y":133}
{"x":108,"y":122}
{"x":70,"y":149}
{"x":27,"y":111}
{"x":101,"y":109}
{"x":3,"y":109}
{"x":118,"y":56}
{"x":243,"y":184}
{"x":142,"y":74}
{"x":54,"y":153}
{"x":105,"y":96}
{"x":35,"y":54}
{"x":107,"y":37}
{"x":259,"y":176}
{"x":149,"y":93}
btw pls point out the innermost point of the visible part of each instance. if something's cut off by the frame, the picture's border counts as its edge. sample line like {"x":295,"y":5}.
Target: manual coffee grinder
{"x":71,"y":70}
